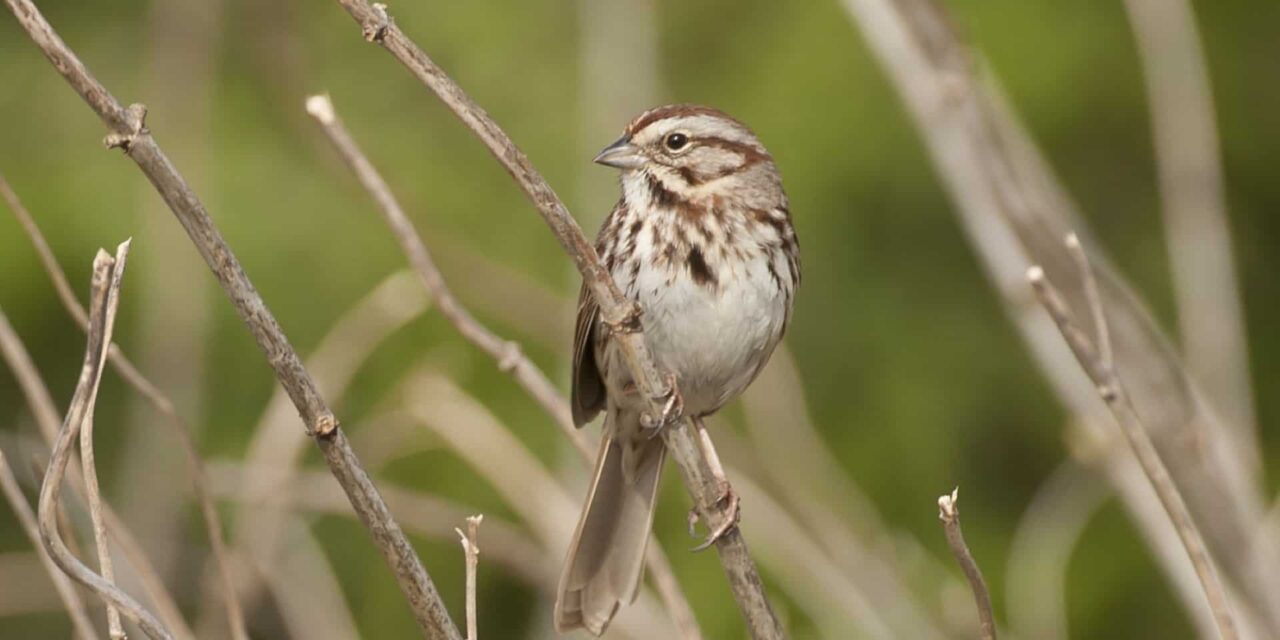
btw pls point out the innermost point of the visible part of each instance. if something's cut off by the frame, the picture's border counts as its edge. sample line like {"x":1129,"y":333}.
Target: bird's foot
{"x":672,"y":408}
{"x":730,"y":515}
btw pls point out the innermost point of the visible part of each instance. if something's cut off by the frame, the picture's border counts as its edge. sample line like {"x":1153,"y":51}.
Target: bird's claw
{"x":731,"y":513}
{"x":672,"y":408}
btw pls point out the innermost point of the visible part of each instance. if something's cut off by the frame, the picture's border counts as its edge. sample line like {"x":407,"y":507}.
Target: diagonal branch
{"x":621,"y":315}
{"x":949,"y":514}
{"x":149,"y":391}
{"x":508,"y":354}
{"x":1015,"y":213}
{"x":127,"y":130}
{"x":1193,"y":201}
{"x":1096,"y":361}
{"x":104,"y":295}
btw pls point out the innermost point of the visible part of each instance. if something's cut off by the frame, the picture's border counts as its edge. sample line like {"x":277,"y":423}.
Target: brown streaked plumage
{"x":702,"y":240}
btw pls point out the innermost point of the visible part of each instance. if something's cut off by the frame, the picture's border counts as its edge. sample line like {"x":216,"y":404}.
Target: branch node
{"x":326,"y":425}
{"x":628,"y":323}
{"x":137,"y":123}
{"x":510,"y":358}
{"x":376,"y":30}
{"x":1108,"y":392}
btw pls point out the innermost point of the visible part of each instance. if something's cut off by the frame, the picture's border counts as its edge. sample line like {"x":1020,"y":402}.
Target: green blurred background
{"x":912,"y":372}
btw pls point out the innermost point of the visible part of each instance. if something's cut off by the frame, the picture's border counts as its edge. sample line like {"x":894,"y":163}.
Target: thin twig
{"x":509,"y":356}
{"x":471,"y":549}
{"x":615,"y":310}
{"x":47,"y":417}
{"x":949,"y":513}
{"x":128,"y":131}
{"x":88,"y":460}
{"x":275,"y":452}
{"x":1015,"y":213}
{"x":107,"y":273}
{"x":830,"y":505}
{"x":153,"y":395}
{"x":527,"y":486}
{"x":1095,"y":360}
{"x":66,"y":591}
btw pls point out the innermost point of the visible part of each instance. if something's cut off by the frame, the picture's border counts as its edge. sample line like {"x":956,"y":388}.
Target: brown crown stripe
{"x":675,"y":111}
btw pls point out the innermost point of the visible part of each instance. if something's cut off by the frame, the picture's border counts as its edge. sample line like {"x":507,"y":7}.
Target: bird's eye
{"x":676,"y":141}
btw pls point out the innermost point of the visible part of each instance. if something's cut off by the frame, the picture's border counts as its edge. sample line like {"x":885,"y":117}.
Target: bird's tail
{"x":606,"y":557}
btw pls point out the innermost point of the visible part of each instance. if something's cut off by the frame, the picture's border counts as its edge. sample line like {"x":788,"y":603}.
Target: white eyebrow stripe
{"x":704,"y":125}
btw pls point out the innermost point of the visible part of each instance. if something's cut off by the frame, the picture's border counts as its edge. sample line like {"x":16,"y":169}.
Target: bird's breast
{"x":712,"y":313}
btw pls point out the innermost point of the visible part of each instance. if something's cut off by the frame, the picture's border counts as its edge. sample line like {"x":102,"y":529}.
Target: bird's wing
{"x":588,"y":392}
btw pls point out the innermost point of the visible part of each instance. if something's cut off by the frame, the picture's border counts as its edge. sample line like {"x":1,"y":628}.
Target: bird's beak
{"x":621,"y":154}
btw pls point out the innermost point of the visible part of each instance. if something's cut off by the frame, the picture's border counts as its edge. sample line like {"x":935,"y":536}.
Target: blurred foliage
{"x":913,"y":374}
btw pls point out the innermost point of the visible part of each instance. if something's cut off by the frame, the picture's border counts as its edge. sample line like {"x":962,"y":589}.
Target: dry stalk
{"x":104,"y":292}
{"x":485,"y":444}
{"x":616,"y":311}
{"x":1041,"y":548}
{"x":471,"y":549}
{"x":1189,"y":168}
{"x":80,"y":621}
{"x":38,"y":398}
{"x":127,"y":130}
{"x":1015,"y":213}
{"x":275,"y":451}
{"x":1096,"y":360}
{"x":508,"y":354}
{"x":88,"y":461}
{"x":152,"y":394}
{"x":949,"y":514}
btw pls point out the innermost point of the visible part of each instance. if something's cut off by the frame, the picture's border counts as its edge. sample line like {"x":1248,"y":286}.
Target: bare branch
{"x":275,"y":451}
{"x":508,"y":354}
{"x":127,"y":130}
{"x":486,"y":445}
{"x":1096,"y":362}
{"x":1197,"y":229}
{"x":152,"y":394}
{"x":615,"y":310}
{"x":104,"y":291}
{"x":471,"y":548}
{"x":949,"y":513}
{"x":830,"y":506}
{"x":1015,"y":213}
{"x":66,"y":591}
{"x":424,"y":514}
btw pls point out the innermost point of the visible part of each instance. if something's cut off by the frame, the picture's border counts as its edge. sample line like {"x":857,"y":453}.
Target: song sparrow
{"x":702,"y":240}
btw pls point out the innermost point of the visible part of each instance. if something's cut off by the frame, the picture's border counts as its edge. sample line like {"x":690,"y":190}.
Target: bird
{"x":702,"y":241}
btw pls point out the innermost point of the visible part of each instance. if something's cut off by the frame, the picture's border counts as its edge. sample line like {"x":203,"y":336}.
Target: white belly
{"x":714,"y":338}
